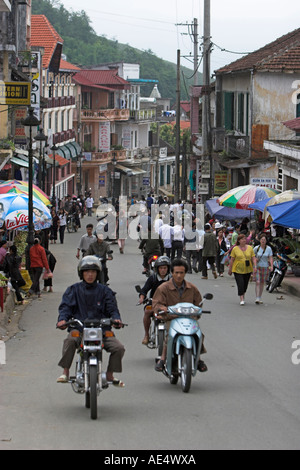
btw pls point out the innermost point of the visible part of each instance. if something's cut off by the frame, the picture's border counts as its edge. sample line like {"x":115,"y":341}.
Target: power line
{"x":230,"y":52}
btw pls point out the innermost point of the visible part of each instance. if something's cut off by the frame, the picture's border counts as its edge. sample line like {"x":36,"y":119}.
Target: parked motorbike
{"x":184,"y":343}
{"x":71,"y":224}
{"x":157,"y":328}
{"x":277,"y":275}
{"x":89,"y":378}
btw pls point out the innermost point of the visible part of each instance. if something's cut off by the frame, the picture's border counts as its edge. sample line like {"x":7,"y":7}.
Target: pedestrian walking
{"x":62,"y":224}
{"x":166,"y":233}
{"x":48,"y":279}
{"x":11,"y":267}
{"x":191,"y":242}
{"x":54,"y":226}
{"x":264,"y":262}
{"x":222,"y":250}
{"x":177,"y":241}
{"x":209,"y":251}
{"x":38,"y":261}
{"x":242,"y":264}
{"x":89,"y":202}
{"x":122,"y":227}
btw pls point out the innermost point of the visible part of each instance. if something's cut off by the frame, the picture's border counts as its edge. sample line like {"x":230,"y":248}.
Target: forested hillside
{"x":84,"y":47}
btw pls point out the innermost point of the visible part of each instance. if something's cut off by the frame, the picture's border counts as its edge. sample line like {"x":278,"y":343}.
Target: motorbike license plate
{"x":93,"y":361}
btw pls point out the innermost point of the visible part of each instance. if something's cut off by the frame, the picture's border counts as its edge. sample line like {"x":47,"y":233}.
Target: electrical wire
{"x":230,"y":52}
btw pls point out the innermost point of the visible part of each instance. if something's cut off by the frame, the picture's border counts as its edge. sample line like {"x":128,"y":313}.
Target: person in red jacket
{"x":38,"y":261}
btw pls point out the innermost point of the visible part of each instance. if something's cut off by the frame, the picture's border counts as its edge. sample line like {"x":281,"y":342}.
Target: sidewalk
{"x":291,"y":284}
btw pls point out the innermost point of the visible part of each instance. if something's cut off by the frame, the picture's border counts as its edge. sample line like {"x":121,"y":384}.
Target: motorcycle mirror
{"x":208,"y":296}
{"x":138,"y":289}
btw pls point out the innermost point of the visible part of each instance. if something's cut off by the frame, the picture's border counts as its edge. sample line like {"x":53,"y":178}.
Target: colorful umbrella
{"x":21,"y":187}
{"x":225,"y":213}
{"x":280,"y":198}
{"x":14,"y":212}
{"x":243,"y":196}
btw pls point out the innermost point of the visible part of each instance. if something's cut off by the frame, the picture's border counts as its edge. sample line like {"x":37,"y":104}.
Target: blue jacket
{"x":82,"y":301}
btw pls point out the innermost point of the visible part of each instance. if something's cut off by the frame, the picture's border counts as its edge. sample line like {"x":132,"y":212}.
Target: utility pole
{"x":206,"y":125}
{"x":177,"y":154}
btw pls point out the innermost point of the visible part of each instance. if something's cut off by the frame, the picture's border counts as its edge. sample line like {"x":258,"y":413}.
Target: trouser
{"x":111,"y":345}
{"x":242,"y":281}
{"x":220,"y":266}
{"x":16,"y":286}
{"x":62,"y":229}
{"x":192,"y":254}
{"x":177,"y":247}
{"x":211,"y":260}
{"x":36,"y":274}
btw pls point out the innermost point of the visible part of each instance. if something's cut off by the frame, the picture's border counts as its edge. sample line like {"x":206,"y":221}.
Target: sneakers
{"x":242,"y":303}
{"x":259,"y":301}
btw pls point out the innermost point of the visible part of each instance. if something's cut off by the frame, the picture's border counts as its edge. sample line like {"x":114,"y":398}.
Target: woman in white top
{"x":264,"y":263}
{"x":62,"y":224}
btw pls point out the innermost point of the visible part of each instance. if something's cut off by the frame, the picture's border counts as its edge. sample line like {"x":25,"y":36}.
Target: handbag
{"x":47,"y":275}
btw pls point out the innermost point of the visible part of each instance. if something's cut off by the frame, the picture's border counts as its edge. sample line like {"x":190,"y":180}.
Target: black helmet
{"x":162,"y":261}
{"x":89,"y":263}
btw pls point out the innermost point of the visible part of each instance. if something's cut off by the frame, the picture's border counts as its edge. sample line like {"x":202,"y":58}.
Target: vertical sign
{"x":104,"y":136}
{"x":36,"y":83}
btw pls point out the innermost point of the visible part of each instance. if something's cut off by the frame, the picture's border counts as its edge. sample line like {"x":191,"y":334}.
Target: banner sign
{"x":15,"y":93}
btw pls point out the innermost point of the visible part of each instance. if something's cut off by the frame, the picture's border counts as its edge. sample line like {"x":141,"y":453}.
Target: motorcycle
{"x":277,"y":275}
{"x":151,"y":263}
{"x":71,"y":224}
{"x":184,"y":343}
{"x":89,"y":378}
{"x":157,"y":330}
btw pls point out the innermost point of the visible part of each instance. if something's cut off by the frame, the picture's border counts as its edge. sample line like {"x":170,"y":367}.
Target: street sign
{"x":15,"y":93}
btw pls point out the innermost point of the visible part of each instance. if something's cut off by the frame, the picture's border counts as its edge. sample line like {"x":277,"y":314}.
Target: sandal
{"x":145,"y":340}
{"x":160,"y":366}
{"x":118,"y":383}
{"x":63,"y":379}
{"x":202,"y":367}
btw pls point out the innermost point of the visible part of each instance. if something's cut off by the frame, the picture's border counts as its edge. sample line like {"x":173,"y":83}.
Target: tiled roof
{"x":64,"y":65}
{"x":44,"y":35}
{"x":59,"y":159}
{"x":80,"y":79}
{"x":109,"y":78}
{"x":294,"y":124}
{"x":280,"y":55}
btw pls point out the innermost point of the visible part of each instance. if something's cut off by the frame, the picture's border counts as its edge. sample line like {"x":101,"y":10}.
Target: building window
{"x":229,"y":111}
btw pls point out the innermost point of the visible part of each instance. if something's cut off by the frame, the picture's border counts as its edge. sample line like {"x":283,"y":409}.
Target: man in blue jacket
{"x":90,"y":299}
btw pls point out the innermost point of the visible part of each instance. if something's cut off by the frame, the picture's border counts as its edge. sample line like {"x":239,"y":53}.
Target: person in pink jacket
{"x":38,"y":261}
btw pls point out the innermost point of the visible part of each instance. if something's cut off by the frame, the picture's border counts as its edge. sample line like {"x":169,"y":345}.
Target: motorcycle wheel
{"x":186,"y":372}
{"x":274,"y":283}
{"x":69,"y":227}
{"x":93,"y":391}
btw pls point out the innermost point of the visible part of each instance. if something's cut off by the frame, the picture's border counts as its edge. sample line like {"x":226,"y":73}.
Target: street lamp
{"x":54,"y":148}
{"x":41,"y":138}
{"x":31,"y":122}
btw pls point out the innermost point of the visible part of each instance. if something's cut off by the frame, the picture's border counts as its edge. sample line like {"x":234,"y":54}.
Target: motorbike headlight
{"x":92,"y":334}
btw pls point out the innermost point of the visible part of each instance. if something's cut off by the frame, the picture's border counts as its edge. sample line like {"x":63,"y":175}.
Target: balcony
{"x":62,"y":101}
{"x":106,"y":157}
{"x":88,"y":115}
{"x":143,"y":115}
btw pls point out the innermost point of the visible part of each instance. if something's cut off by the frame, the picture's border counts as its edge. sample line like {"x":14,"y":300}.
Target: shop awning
{"x":133,"y":171}
{"x":20,"y":162}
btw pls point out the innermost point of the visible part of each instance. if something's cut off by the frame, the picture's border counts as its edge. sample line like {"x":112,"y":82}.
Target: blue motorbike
{"x":184,"y":343}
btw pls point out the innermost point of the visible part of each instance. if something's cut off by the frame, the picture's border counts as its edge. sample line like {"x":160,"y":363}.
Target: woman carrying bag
{"x":264,"y":257}
{"x":242,"y":264}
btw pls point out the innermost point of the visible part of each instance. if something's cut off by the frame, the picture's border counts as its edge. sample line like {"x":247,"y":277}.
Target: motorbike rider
{"x":151,"y":247}
{"x":90,"y":299}
{"x":101,"y":249}
{"x":175,"y":291}
{"x":162,"y":274}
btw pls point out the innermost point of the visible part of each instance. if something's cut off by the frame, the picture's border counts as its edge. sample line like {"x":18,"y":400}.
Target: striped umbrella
{"x":243,"y":196}
{"x":21,"y":187}
{"x":286,"y":196}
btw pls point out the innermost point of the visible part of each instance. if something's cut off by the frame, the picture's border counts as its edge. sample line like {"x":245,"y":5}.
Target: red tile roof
{"x":83,"y":81}
{"x":278,"y":56}
{"x":64,"y":65}
{"x":59,"y":159}
{"x":44,"y":35}
{"x":108,"y":78}
{"x":293,"y":124}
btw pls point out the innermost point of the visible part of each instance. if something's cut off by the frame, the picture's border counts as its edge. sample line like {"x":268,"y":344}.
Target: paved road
{"x":249,"y":399}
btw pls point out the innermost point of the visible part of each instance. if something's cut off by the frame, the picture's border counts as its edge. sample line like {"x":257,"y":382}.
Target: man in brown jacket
{"x":170,"y":293}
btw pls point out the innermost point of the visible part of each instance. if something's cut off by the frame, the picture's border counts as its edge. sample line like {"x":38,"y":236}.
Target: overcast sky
{"x":236,"y":25}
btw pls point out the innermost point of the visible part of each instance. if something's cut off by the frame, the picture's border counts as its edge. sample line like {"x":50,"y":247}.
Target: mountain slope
{"x":85,"y":48}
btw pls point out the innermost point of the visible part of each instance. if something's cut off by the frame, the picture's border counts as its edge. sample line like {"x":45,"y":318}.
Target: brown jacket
{"x":167,"y":295}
